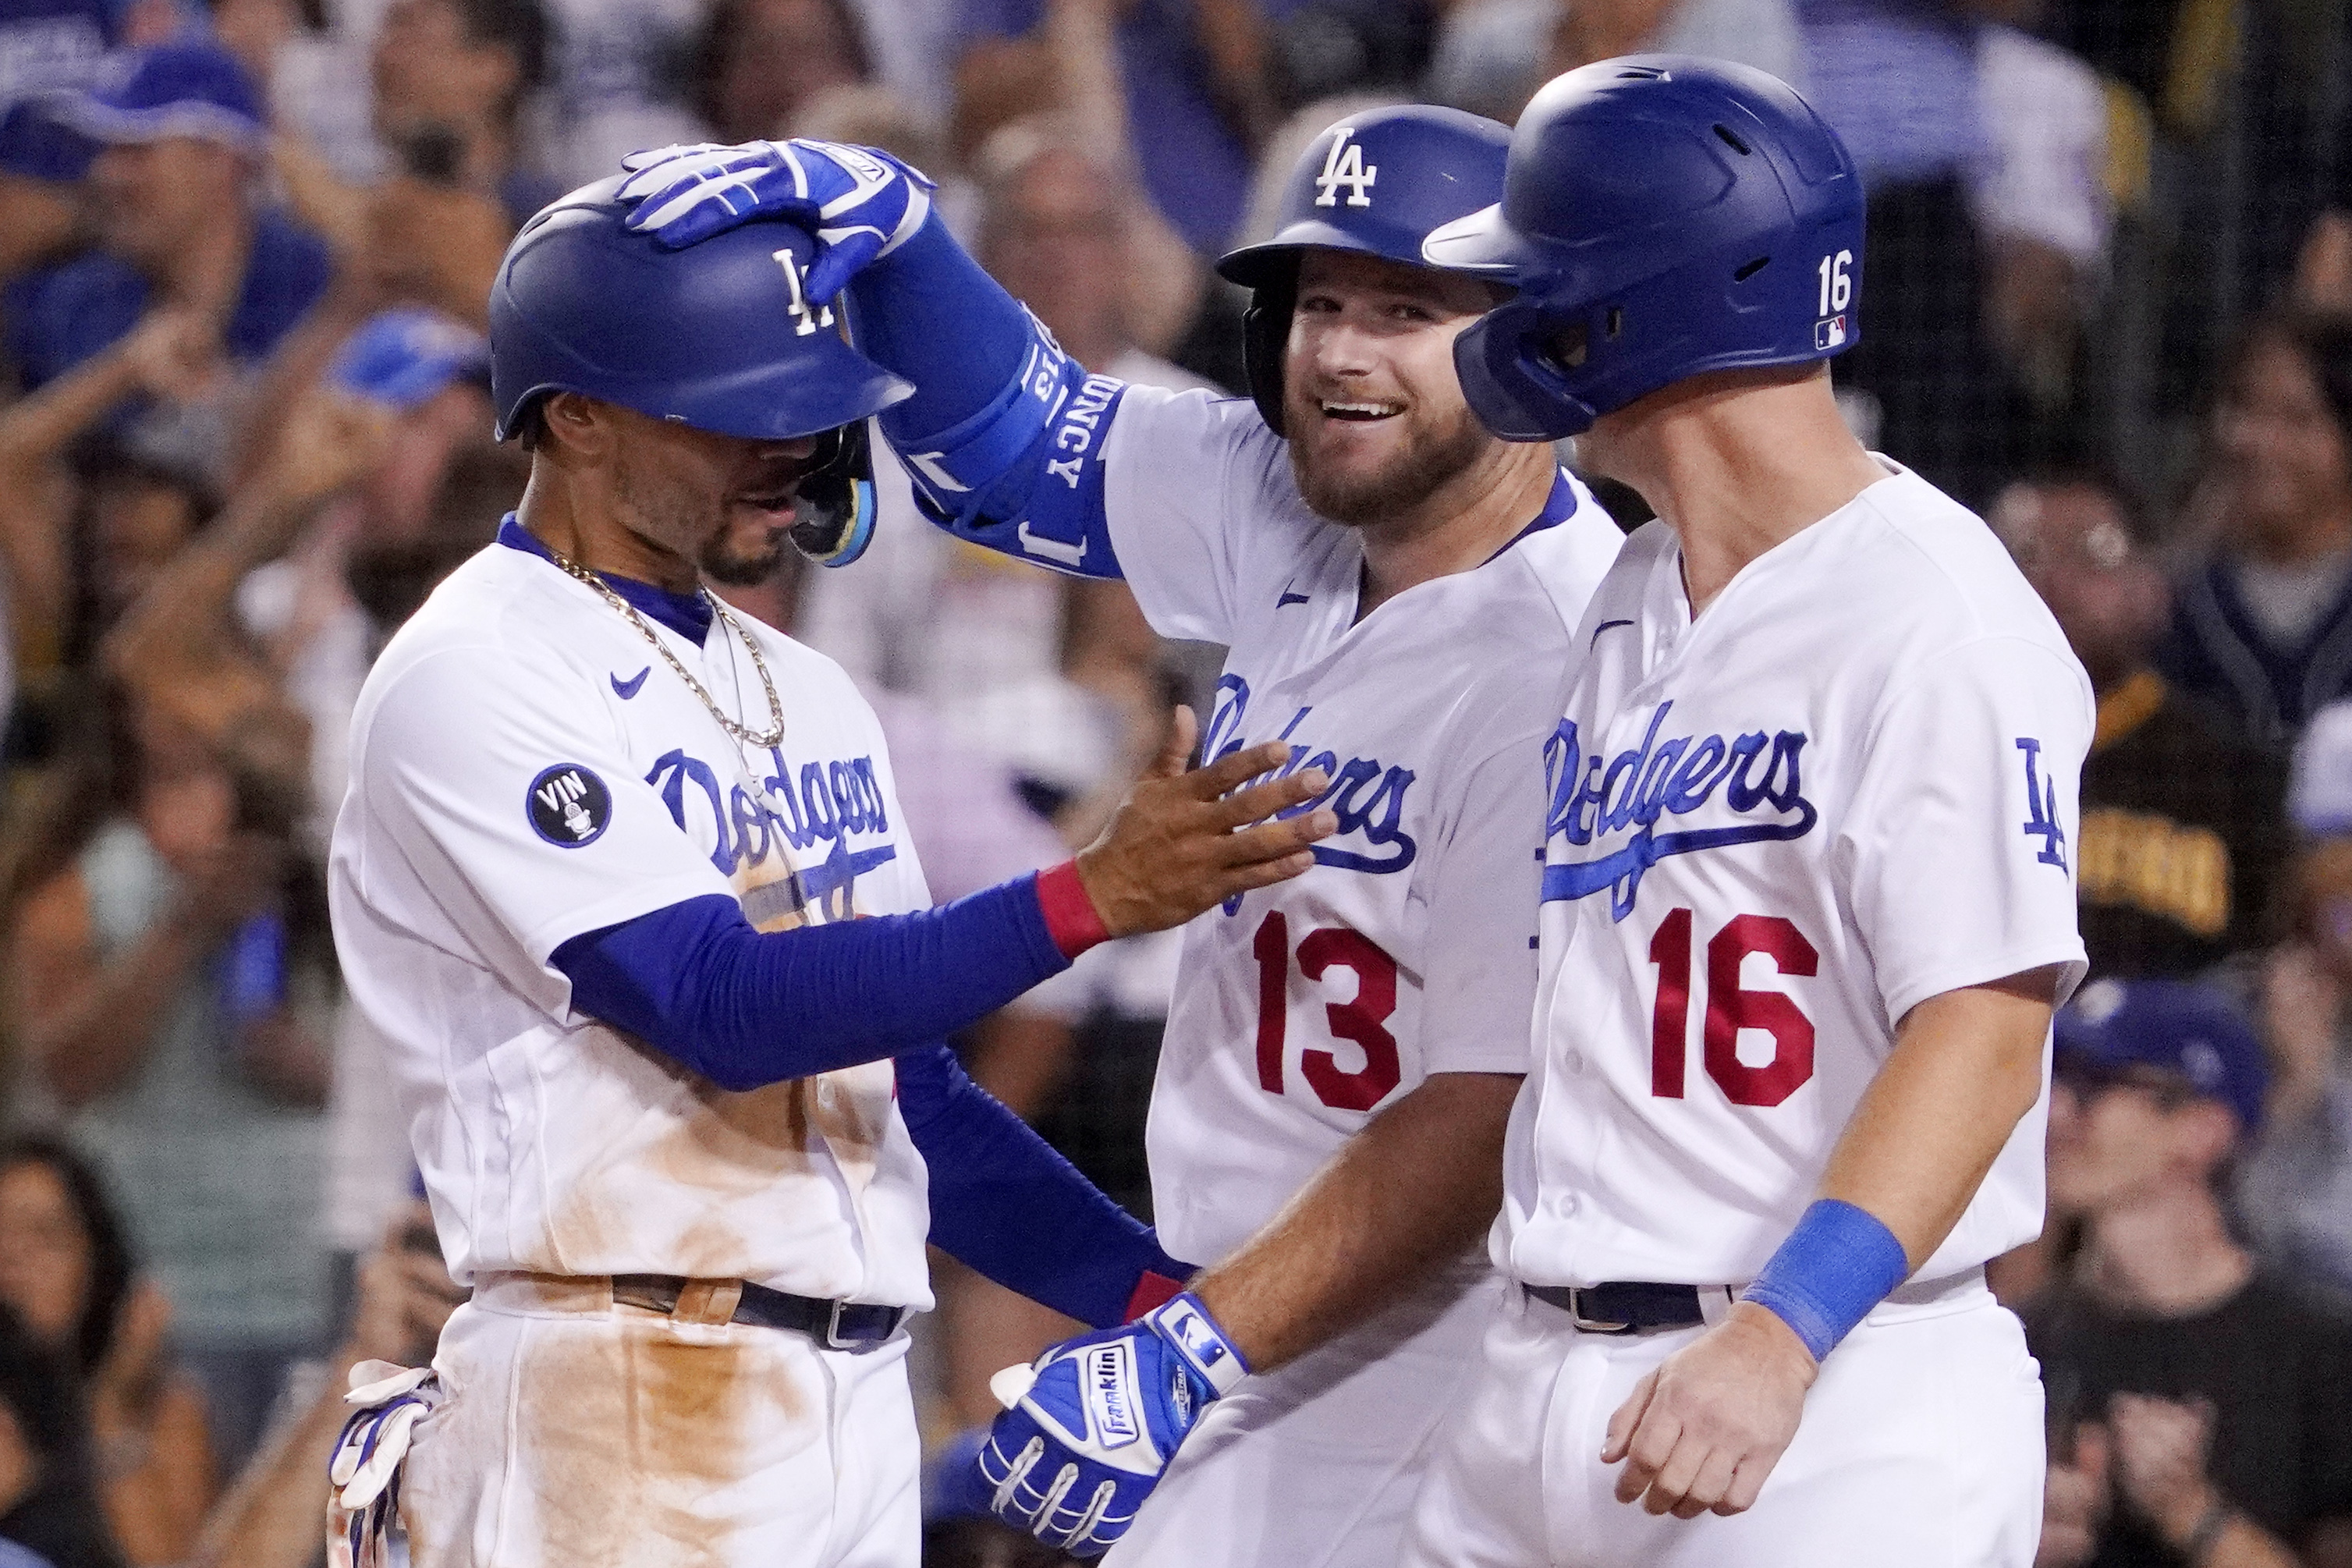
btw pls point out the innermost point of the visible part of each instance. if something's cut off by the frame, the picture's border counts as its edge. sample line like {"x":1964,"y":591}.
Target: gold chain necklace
{"x":757,"y":740}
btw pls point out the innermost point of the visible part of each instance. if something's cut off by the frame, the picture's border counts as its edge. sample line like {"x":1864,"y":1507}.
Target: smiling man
{"x":602,"y":880}
{"x":1398,"y":591}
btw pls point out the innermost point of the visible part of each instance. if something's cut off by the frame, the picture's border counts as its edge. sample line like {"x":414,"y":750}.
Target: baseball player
{"x":1397,"y":590}
{"x":1808,"y":895}
{"x":602,"y":880}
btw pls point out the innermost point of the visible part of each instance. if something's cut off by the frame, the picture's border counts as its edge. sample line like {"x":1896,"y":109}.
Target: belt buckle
{"x":856,"y":1344}
{"x":833,"y":1340}
{"x":1591,"y":1325}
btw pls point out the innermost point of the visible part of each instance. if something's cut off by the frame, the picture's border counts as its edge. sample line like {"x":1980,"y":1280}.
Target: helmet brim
{"x":1274,"y":263}
{"x":1486,"y":243}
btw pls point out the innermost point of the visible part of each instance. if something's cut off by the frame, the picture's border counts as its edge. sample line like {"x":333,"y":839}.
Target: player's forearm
{"x":1005,"y":423}
{"x":1965,"y":1067}
{"x":931,"y":313}
{"x":1410,"y":1193}
{"x":746,"y":1008}
{"x":1005,"y":1204}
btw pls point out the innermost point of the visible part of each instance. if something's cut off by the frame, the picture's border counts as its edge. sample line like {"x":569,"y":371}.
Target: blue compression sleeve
{"x":745,"y":1008}
{"x":1005,"y":1204}
{"x":1003,"y":436}
{"x":1839,"y":1263}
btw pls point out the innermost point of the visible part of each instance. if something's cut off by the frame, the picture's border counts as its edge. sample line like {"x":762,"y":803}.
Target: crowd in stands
{"x":244,"y":252}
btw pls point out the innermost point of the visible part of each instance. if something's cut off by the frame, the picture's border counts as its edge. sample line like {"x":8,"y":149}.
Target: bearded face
{"x":1373,"y":410}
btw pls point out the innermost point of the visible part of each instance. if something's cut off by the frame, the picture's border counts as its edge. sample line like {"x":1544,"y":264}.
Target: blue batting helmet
{"x":717,"y":336}
{"x":1662,"y":215}
{"x":1376,"y":183}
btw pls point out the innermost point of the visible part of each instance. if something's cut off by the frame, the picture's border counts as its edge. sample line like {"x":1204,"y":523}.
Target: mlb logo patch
{"x":1830,"y":333}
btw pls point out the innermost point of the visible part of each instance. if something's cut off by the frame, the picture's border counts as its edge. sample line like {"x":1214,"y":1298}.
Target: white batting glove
{"x":365,"y":1469}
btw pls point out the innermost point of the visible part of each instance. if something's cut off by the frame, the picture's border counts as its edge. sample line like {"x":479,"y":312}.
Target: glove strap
{"x":1185,"y":1323}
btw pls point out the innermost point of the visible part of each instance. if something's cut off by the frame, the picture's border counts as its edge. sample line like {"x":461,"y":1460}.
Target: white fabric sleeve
{"x":1187,"y":476}
{"x":1959,"y":841}
{"x":456,"y":759}
{"x":1479,"y":971}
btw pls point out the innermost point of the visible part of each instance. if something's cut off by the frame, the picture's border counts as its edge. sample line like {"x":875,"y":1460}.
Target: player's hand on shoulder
{"x":859,"y":201}
{"x":1184,"y":842}
{"x":1704,"y":1429}
{"x":1088,"y":1427}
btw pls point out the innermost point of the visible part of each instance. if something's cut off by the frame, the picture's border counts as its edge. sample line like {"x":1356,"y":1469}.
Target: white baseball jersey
{"x":1301,"y":1010}
{"x":1848,"y":786}
{"x":525,"y":769}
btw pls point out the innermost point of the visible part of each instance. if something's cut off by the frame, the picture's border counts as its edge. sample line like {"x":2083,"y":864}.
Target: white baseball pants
{"x":1921,"y":1444}
{"x":574,"y":1433}
{"x":1315,"y":1464}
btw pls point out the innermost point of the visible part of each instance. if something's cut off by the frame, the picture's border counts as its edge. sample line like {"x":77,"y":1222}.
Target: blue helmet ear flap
{"x":1510,"y":382}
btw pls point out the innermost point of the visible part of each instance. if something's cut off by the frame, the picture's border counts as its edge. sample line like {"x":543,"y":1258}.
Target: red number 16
{"x":1730,"y":1009}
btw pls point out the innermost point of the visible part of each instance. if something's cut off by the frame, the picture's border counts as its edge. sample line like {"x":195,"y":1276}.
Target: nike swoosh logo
{"x":1604,"y":626}
{"x":629,"y":689}
{"x":1289,"y":598}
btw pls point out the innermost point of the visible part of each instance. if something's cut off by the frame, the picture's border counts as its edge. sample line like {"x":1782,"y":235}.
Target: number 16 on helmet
{"x":1662,"y":216}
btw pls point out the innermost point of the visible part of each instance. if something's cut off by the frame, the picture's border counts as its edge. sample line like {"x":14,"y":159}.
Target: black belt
{"x":852,"y":1326}
{"x":1624,"y":1306}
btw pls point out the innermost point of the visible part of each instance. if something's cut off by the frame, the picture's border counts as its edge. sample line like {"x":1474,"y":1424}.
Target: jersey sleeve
{"x":514,"y":801}
{"x":1484,"y":892}
{"x":1189,"y":479}
{"x":1962,"y":836}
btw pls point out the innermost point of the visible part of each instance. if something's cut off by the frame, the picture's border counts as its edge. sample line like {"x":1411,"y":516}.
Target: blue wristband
{"x":1837,"y":1265}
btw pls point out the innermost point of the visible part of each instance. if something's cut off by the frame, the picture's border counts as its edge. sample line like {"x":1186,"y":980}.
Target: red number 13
{"x":1358,"y":1020}
{"x":1730,"y":1009}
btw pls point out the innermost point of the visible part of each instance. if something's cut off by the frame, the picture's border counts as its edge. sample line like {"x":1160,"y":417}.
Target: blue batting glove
{"x":860,"y":203}
{"x":1088,"y":1428}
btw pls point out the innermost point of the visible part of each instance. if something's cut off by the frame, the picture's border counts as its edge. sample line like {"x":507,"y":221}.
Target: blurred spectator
{"x":616,"y":83}
{"x":1492,"y":55}
{"x":1058,"y":229}
{"x":159,"y":990}
{"x":2262,"y":626}
{"x":2196,"y":1403}
{"x":761,"y":64}
{"x":451,"y":77}
{"x":47,"y":48}
{"x":40,"y":596}
{"x":271,"y":1516}
{"x":65,"y":1271}
{"x":1193,"y":75}
{"x":48,"y":1500}
{"x":175,"y":196}
{"x":2298,"y":1182}
{"x":447,"y":186}
{"x":2180,"y":839}
{"x":1985,"y":153}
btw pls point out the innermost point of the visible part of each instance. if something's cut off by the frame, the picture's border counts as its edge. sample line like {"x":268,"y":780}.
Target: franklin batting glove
{"x":860,"y":203}
{"x":1088,"y":1428}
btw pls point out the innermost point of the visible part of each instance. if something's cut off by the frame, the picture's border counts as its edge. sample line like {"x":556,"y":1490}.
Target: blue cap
{"x":403,"y":357}
{"x":196,"y":89}
{"x":2192,"y":1032}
